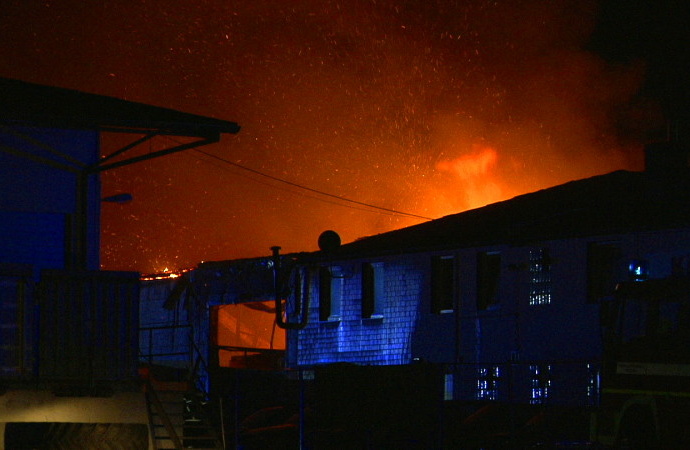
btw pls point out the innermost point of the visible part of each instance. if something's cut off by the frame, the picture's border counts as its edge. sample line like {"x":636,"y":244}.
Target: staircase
{"x":178,"y":420}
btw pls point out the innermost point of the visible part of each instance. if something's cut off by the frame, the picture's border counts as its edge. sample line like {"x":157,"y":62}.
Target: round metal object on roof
{"x":329,"y":241}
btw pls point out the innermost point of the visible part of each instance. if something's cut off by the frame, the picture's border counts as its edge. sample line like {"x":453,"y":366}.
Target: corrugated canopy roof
{"x":23,"y":103}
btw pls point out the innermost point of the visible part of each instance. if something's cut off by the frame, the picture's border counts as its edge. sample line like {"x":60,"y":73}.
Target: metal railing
{"x":163,"y":342}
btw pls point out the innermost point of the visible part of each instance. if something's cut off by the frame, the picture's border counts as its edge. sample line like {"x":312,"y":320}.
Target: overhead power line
{"x":306,"y":188}
{"x":295,"y":192}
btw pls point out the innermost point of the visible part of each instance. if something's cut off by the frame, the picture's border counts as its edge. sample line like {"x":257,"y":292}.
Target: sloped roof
{"x":23,"y":103}
{"x":614,"y":203}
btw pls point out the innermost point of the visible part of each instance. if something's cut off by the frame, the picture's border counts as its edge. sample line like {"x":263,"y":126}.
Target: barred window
{"x":540,"y":383}
{"x":488,"y":382}
{"x":540,"y":277}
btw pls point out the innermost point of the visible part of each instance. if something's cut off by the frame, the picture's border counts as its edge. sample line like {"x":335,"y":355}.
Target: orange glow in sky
{"x":429,"y":108}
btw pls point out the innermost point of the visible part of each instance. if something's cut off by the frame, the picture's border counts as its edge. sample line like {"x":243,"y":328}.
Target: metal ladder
{"x":177,"y":420}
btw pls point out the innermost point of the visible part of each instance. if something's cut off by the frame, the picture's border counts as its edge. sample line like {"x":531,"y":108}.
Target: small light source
{"x":638,"y":270}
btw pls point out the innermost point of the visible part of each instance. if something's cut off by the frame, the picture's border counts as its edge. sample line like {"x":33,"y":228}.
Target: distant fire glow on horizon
{"x":424,"y":107}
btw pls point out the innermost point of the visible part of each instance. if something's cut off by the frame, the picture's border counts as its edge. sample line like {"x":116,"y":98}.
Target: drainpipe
{"x":285,"y":325}
{"x":276,"y":283}
{"x":304,"y":308}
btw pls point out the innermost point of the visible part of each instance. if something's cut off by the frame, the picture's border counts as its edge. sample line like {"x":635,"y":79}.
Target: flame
{"x":423,"y":110}
{"x":468,"y":167}
{"x":164,"y":274}
{"x":471,"y":180}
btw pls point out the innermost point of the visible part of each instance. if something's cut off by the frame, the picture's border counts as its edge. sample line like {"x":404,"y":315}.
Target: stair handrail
{"x":151,"y":393}
{"x":199,"y":361}
{"x":200,"y":412}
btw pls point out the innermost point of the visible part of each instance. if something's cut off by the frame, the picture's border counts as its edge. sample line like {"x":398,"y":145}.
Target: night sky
{"x":418,"y":106}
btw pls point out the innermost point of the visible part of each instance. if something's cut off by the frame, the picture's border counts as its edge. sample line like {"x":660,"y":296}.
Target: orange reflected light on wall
{"x":245,"y":329}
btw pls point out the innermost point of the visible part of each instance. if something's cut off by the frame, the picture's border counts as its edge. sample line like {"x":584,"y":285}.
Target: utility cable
{"x":290,"y":183}
{"x":304,"y":194}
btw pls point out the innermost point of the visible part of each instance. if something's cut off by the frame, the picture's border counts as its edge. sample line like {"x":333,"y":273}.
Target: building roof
{"x":613,"y":203}
{"x":23,"y":103}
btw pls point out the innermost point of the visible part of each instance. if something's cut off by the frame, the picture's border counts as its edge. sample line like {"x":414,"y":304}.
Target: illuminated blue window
{"x":638,"y":270}
{"x":540,"y":277}
{"x":488,"y":379}
{"x":448,"y":386}
{"x":540,"y":383}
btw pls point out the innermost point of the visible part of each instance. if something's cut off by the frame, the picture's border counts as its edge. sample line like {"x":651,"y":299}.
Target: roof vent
{"x":329,"y":241}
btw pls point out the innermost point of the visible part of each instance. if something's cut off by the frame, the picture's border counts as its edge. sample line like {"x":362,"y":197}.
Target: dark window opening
{"x":442,"y":284}
{"x":601,"y":270}
{"x":324,"y":293}
{"x":488,"y":278}
{"x":372,"y":290}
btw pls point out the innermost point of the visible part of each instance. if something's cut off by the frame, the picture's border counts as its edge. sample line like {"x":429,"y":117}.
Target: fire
{"x":164,"y":275}
{"x":469,"y":181}
{"x":468,"y":167}
{"x":430,"y":109}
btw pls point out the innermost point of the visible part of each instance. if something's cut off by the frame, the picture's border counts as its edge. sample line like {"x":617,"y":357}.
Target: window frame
{"x":372,"y":290}
{"x":488,"y":280}
{"x":541,"y":277}
{"x":330,"y":293}
{"x":488,"y":382}
{"x":602,"y":261}
{"x":541,"y":376}
{"x":443,"y":284}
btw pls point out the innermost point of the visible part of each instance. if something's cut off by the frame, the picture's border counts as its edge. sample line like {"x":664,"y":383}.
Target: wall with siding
{"x":402,"y":333}
{"x":559,"y":342}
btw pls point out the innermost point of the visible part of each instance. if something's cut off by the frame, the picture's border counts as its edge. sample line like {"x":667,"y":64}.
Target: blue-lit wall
{"x":39,"y":194}
{"x":406,"y":329}
{"x":545,"y":353}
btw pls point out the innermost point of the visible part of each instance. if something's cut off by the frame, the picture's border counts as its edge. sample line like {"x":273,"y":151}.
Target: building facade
{"x":508,"y":298}
{"x":69,"y":356}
